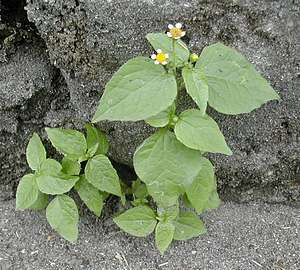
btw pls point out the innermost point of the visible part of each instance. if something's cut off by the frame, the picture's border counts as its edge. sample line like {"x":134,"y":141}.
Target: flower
{"x":194,"y":57}
{"x":160,"y":57}
{"x":176,"y":31}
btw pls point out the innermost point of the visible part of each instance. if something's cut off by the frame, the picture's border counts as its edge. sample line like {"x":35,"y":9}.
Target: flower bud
{"x":194,"y":57}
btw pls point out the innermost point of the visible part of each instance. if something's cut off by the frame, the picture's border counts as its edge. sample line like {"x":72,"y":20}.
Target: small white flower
{"x":160,"y":57}
{"x":176,"y":31}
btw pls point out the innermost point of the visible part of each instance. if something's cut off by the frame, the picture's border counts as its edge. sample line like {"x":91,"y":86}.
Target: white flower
{"x":176,"y":31}
{"x":160,"y":57}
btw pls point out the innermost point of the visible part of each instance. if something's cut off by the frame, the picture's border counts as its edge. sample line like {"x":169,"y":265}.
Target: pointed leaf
{"x":70,"y":142}
{"x":138,"y":221}
{"x":62,"y":215}
{"x":139,"y":90}
{"x":35,"y":152}
{"x":234,"y":84}
{"x":200,"y":132}
{"x":164,"y":233}
{"x":101,"y":174}
{"x":27,"y":192}
{"x":196,"y":87}
{"x":91,"y":196}
{"x":163,"y":118}
{"x":70,"y":167}
{"x":97,"y":142}
{"x":188,"y":225}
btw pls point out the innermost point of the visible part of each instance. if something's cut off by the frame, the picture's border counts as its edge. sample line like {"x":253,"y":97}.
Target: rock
{"x":88,"y":40}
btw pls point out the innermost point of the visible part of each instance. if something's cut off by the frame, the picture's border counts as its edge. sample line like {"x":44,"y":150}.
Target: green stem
{"x":174,"y":55}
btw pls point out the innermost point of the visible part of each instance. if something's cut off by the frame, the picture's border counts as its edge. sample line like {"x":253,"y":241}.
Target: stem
{"x":174,"y":55}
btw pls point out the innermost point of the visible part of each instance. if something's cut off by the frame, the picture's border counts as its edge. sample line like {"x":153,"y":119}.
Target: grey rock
{"x":88,"y":40}
{"x":239,"y":236}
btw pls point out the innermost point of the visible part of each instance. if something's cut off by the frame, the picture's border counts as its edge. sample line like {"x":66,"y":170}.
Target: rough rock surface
{"x":88,"y":40}
{"x":240,"y":236}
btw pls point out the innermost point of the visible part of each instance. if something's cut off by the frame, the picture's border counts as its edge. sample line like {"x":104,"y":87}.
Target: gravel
{"x":240,"y":236}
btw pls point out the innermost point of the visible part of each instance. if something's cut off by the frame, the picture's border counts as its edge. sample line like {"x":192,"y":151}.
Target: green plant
{"x":171,"y":162}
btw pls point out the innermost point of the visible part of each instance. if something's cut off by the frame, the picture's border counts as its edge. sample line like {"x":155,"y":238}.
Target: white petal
{"x":178,"y":25}
{"x":170,"y":26}
{"x":164,"y":63}
{"x":153,"y":56}
{"x":156,"y":62}
{"x":183,"y":33}
{"x":159,"y":51}
{"x":169,"y":34}
{"x":166,"y":55}
{"x":177,"y":37}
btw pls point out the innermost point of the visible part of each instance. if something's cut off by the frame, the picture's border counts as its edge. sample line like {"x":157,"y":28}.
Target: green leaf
{"x":41,"y":202}
{"x":163,"y":118}
{"x":27,"y":192}
{"x":90,"y":196}
{"x":138,"y":90}
{"x":213,"y":201}
{"x":70,"y":167}
{"x":163,"y":42}
{"x":196,"y":87}
{"x":164,"y":233}
{"x":102,"y":175}
{"x":139,"y":189}
{"x":234,"y":85}
{"x":50,"y":166}
{"x":200,"y":133}
{"x":200,"y":190}
{"x":70,"y":142}
{"x":35,"y":152}
{"x":97,"y":142}
{"x":165,"y":165}
{"x":168,"y":213}
{"x":138,"y":221}
{"x":62,"y":215}
{"x":188,"y":225}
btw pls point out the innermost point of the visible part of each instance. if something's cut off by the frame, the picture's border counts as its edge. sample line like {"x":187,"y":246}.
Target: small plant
{"x":170,"y":164}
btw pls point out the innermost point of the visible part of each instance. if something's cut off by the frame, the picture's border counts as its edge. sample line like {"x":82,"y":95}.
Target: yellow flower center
{"x":161,"y":57}
{"x":176,"y":32}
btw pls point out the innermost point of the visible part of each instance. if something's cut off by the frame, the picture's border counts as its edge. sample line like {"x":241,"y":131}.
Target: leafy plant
{"x":171,"y":164}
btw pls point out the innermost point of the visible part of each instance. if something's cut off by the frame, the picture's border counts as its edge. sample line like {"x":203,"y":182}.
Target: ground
{"x":240,"y":236}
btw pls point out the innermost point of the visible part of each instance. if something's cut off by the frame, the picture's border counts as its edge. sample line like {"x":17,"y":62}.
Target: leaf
{"x":101,"y":174}
{"x":139,"y":189}
{"x":165,"y":165}
{"x":164,"y":233}
{"x":62,"y":215}
{"x":35,"y":152}
{"x":163,"y":118}
{"x":234,"y":85}
{"x":70,"y":167}
{"x":168,"y":213}
{"x":97,"y":142}
{"x":200,"y":133}
{"x":56,"y":184}
{"x":70,"y":142}
{"x":196,"y":87}
{"x":27,"y":192}
{"x":213,"y":201}
{"x":187,"y":226}
{"x":163,"y":42}
{"x":139,"y":221}
{"x":50,"y":166}
{"x":41,"y":202}
{"x":138,"y":90}
{"x":90,"y":196}
{"x":200,"y":190}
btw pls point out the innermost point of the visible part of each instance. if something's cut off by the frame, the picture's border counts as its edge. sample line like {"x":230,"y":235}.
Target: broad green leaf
{"x":200,"y":132}
{"x":165,"y":165}
{"x":168,"y":213}
{"x":70,"y":142}
{"x":51,"y":167}
{"x":188,"y":225}
{"x":196,"y":87}
{"x":35,"y":152}
{"x":90,"y":196}
{"x":41,"y":202}
{"x":62,"y":215}
{"x":200,"y":190}
{"x":27,"y":192}
{"x":138,"y":221}
{"x":56,"y":184}
{"x":164,"y":233}
{"x":138,"y":90}
{"x":139,"y":189}
{"x":97,"y":142}
{"x":102,"y":175}
{"x":234,"y":85}
{"x":163,"y":118}
{"x":163,"y":42}
{"x":70,"y":167}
